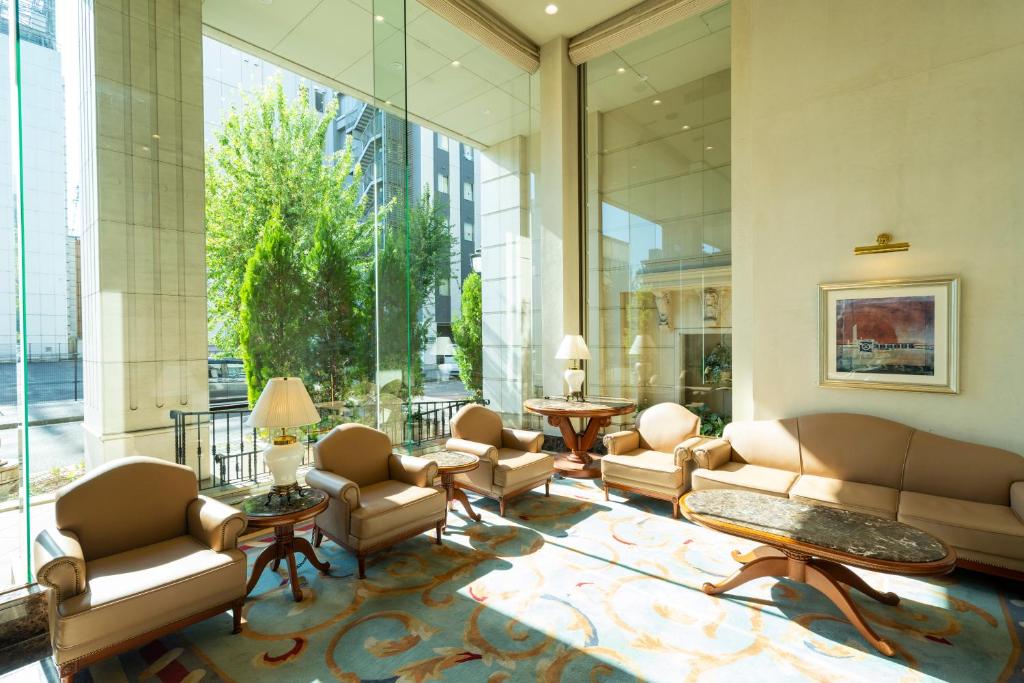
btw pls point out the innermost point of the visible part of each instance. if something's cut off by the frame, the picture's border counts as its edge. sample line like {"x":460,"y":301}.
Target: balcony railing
{"x":224,"y":452}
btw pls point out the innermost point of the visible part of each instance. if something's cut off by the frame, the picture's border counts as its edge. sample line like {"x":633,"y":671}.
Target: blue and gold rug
{"x":574,"y":588}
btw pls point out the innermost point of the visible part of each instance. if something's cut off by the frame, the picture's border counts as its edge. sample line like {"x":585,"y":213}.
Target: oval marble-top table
{"x":812,"y":544}
{"x":594,"y":413}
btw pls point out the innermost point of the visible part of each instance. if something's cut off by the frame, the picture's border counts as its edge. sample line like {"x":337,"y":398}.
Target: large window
{"x":658,"y":219}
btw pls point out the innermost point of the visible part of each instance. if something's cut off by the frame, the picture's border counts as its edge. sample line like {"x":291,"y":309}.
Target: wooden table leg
{"x":284,"y":547}
{"x":579,"y":463}
{"x":824,"y":575}
{"x":454,"y":493}
{"x":269,"y":553}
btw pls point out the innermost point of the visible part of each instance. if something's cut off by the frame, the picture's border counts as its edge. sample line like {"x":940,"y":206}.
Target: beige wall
{"x":851,"y":119}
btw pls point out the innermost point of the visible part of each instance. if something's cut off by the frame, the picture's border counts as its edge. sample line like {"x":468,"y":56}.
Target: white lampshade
{"x":573,"y":348}
{"x":641,"y":342}
{"x":284,"y":403}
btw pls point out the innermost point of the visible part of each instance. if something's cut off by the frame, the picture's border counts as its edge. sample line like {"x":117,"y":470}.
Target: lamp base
{"x":574,"y":379}
{"x":283,"y":459}
{"x":284,"y":491}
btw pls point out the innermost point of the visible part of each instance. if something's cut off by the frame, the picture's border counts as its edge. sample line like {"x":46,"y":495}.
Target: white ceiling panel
{"x":256,"y":21}
{"x":332,"y":37}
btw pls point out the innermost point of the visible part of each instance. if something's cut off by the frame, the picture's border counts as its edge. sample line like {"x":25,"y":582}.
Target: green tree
{"x":468,"y":336}
{"x":269,"y":157}
{"x":271,"y":336}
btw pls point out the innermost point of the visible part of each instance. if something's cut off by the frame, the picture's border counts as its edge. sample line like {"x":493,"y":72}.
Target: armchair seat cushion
{"x":738,"y":475}
{"x":965,"y":524}
{"x":517,"y":467}
{"x":649,"y":467}
{"x":867,"y":498}
{"x":390,"y":505}
{"x":140,"y":590}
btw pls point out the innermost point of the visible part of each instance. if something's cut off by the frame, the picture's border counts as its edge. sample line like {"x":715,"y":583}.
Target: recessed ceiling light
{"x":621,"y":70}
{"x":456,"y":63}
{"x":551,"y":9}
{"x":686,"y":127}
{"x":397,"y":66}
{"x":709,"y":148}
{"x":656,"y":102}
{"x":379,"y":18}
{"x":643,"y":77}
{"x":156,"y":136}
{"x":387,"y":101}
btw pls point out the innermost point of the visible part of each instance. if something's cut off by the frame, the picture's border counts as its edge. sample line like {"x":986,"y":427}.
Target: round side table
{"x":283,"y":514}
{"x":595,"y":413}
{"x":450,"y":463}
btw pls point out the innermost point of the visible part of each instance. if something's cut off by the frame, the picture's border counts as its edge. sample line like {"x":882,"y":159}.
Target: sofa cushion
{"x":766,"y":443}
{"x":517,"y":467}
{"x":867,"y":498}
{"x":736,"y":475}
{"x":981,"y":527}
{"x":143,"y":589}
{"x":945,"y":467}
{"x":391,"y":504}
{"x":652,"y":467}
{"x":860,"y":448}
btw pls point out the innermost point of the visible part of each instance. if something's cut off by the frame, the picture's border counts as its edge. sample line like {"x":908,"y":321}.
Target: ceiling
{"x":454,"y":82}
{"x":573,"y":16}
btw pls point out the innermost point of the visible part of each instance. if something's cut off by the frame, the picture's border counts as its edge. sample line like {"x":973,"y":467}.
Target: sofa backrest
{"x":664,"y":426}
{"x":940,"y":466}
{"x":126,"y":504}
{"x":855,"y":448}
{"x":356,"y":452}
{"x":768,"y":443}
{"x":476,"y":423}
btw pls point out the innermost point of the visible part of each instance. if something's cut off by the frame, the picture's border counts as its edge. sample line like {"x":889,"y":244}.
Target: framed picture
{"x":890,"y":334}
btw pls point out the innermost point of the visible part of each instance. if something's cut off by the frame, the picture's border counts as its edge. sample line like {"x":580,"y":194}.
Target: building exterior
{"x":50,"y":273}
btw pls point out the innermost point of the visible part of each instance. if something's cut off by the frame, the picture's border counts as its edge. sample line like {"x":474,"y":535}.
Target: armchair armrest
{"x":1017,"y":499}
{"x":214,"y":523}
{"x":683,"y":453}
{"x":480,"y":450}
{"x":59,"y":562}
{"x":335,"y":486}
{"x":712,"y":454}
{"x":522,"y":440}
{"x":622,"y":442}
{"x":411,"y":470}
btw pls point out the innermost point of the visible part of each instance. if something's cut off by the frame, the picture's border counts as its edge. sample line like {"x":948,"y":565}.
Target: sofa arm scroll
{"x":412,"y":470}
{"x":683,"y":453}
{"x":481,"y":450}
{"x":214,"y":523}
{"x":59,"y":562}
{"x":618,"y":443}
{"x":522,"y":440}
{"x":712,"y":454}
{"x":335,"y":486}
{"x":1017,"y":499}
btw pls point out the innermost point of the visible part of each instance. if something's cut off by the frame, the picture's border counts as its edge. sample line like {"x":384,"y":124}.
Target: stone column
{"x":143,"y":242}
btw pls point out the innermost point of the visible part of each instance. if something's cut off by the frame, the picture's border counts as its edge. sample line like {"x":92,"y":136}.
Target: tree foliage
{"x":468,"y":336}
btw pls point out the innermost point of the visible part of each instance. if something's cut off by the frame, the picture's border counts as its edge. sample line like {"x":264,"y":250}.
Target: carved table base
{"x":579,"y":463}
{"x":454,"y":493}
{"x":284,"y":547}
{"x":831,"y":578}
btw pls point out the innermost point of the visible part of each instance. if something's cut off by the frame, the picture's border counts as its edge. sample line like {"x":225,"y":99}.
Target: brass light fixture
{"x":883,"y":245}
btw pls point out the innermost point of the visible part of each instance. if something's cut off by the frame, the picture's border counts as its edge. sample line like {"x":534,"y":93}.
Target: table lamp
{"x":284,"y":404}
{"x":638,"y":350}
{"x":574,"y":349}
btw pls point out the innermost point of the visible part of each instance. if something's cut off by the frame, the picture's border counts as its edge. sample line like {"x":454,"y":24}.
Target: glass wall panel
{"x":658,"y":253}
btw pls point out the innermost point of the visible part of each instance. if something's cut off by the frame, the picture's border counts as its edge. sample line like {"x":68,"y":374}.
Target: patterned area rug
{"x":574,"y":588}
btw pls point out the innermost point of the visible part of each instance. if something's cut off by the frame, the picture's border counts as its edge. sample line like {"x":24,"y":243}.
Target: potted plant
{"x":718,"y":365}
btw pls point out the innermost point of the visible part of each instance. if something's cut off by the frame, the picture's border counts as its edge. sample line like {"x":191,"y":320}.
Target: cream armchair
{"x":136,"y":553}
{"x":511,"y":462}
{"x":377,"y":498}
{"x":654,"y":458}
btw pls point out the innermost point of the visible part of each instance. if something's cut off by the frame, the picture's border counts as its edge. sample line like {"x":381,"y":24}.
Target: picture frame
{"x":899,"y":334}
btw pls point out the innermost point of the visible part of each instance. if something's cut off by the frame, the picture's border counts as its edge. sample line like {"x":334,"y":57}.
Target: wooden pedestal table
{"x":450,"y":463}
{"x":593,"y":414}
{"x":812,"y":544}
{"x":265,"y":511}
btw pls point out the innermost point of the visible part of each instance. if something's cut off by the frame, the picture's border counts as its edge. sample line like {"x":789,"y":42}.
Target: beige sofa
{"x":136,"y":553}
{"x":970,"y":496}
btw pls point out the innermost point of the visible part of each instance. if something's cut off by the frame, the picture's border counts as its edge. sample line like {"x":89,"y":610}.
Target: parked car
{"x":227,"y":381}
{"x":449,"y":369}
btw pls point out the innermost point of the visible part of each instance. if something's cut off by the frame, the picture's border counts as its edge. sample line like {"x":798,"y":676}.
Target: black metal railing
{"x":224,"y":451}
